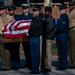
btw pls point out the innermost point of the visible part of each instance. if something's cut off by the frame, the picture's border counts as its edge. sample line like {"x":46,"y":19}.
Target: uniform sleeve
{"x":18,"y":17}
{"x":10,"y":19}
{"x":62,"y":24}
{"x":7,"y":19}
{"x":72,"y":20}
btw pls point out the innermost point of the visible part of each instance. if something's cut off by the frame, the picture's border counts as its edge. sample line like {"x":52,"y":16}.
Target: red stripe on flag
{"x":18,"y":35}
{"x":7,"y":36}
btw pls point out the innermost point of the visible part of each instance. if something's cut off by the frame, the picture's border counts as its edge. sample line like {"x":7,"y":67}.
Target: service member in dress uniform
{"x":62,"y":30}
{"x":4,"y":53}
{"x":25,"y":41}
{"x":14,"y":43}
{"x":71,"y":34}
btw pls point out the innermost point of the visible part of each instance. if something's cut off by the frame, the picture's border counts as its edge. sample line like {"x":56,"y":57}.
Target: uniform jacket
{"x":63,"y":24}
{"x":49,"y":27}
{"x":35,"y":27}
{"x":5,"y":19}
{"x":17,"y":17}
{"x":24,"y":17}
{"x":72,"y":19}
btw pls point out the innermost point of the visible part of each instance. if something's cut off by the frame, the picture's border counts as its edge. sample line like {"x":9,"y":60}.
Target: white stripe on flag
{"x":15,"y":25}
{"x":24,"y":24}
{"x":19,"y":31}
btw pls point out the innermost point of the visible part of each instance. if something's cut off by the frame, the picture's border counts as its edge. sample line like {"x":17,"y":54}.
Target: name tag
{"x":63,"y":22}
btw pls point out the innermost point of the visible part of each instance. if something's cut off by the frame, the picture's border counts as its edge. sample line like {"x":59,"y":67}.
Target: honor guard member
{"x":4,"y":53}
{"x":71,"y":34}
{"x":11,"y":10}
{"x":35,"y":33}
{"x":49,"y":37}
{"x":25,"y":41}
{"x":62,"y":30}
{"x":14,"y":43}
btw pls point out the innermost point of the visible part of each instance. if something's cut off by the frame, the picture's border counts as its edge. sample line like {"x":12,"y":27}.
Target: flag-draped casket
{"x":16,"y":29}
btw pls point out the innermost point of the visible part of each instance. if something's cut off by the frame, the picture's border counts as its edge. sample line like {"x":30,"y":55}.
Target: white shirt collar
{"x":26,"y":14}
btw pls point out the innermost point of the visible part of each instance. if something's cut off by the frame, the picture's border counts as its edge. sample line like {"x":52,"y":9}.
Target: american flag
{"x":17,"y":29}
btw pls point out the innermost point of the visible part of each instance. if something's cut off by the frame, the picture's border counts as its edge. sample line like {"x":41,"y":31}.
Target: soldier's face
{"x":47,"y":13}
{"x":63,"y":11}
{"x":11,"y":13}
{"x":2,"y":12}
{"x":25,"y":10}
{"x":71,"y":8}
{"x":36,"y":13}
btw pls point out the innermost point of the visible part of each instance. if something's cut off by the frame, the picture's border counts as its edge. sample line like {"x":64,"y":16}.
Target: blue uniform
{"x":62,"y":40}
{"x":26,"y":17}
{"x":17,"y":17}
{"x":26,"y":45}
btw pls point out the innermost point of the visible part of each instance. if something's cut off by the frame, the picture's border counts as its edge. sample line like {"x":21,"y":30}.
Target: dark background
{"x":61,"y":1}
{"x":19,"y":2}
{"x":54,"y":1}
